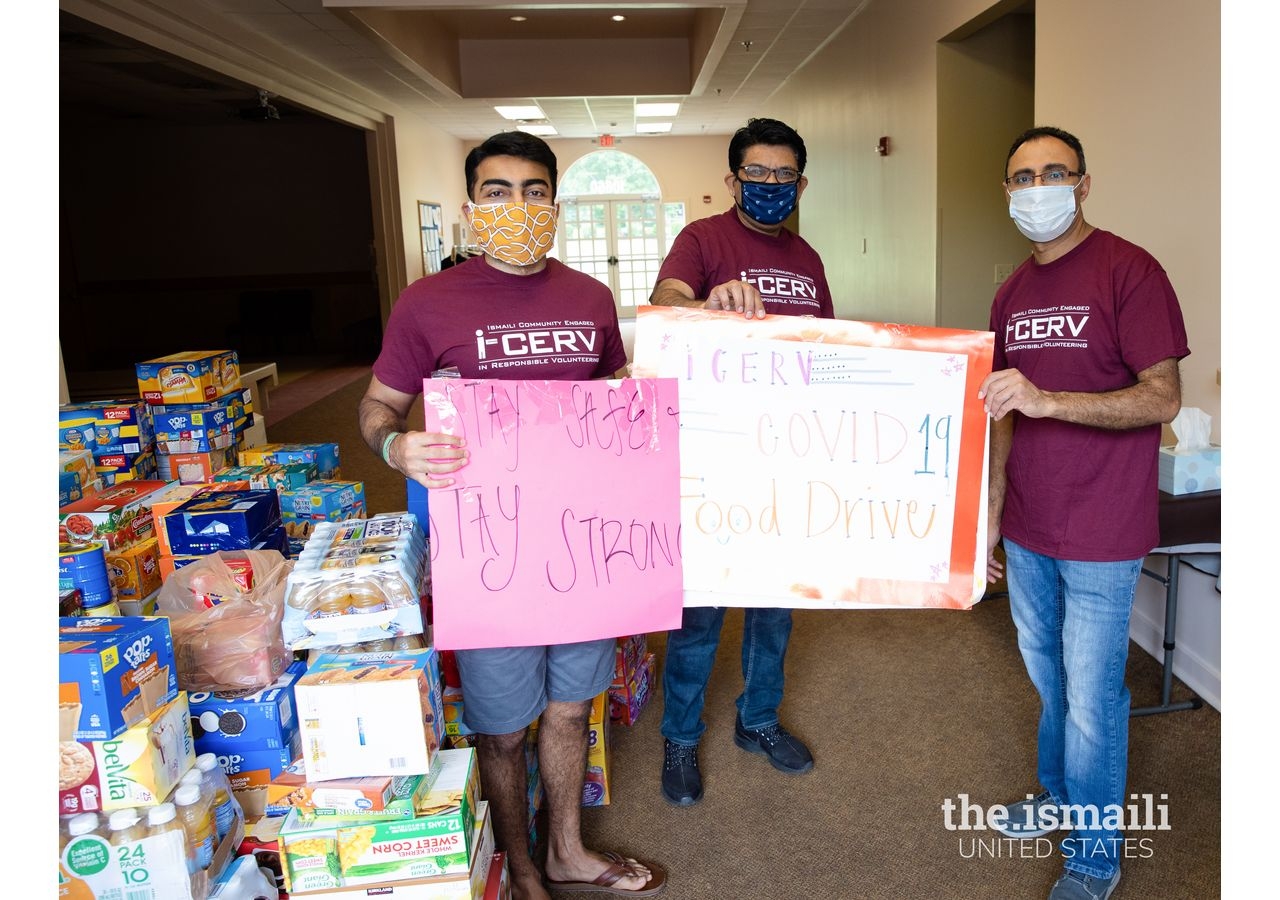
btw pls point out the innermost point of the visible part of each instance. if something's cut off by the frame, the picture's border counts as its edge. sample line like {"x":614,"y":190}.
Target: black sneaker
{"x":785,"y":751}
{"x":681,"y":780}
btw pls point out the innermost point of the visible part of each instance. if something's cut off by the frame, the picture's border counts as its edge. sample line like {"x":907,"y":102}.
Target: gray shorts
{"x":506,"y":688}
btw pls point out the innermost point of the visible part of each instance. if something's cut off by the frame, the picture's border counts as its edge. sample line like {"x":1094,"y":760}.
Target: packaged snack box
{"x":135,"y":571}
{"x":139,"y":767}
{"x":119,"y":515}
{"x":325,"y":456}
{"x":177,"y":494}
{"x":325,"y":499}
{"x":120,"y":426}
{"x":224,"y":721}
{"x":250,"y":771}
{"x":197,"y":428}
{"x":79,"y":463}
{"x":194,"y":468}
{"x":112,"y":672}
{"x":227,"y":520}
{"x":194,"y":376}
{"x":372,"y":796}
{"x":367,"y":714}
{"x":112,"y":468}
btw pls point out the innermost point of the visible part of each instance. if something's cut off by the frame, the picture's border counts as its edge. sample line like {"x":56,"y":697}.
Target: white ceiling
{"x":721,"y":61}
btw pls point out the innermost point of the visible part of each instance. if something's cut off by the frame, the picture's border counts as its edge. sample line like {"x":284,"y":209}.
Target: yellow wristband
{"x":386,"y":445}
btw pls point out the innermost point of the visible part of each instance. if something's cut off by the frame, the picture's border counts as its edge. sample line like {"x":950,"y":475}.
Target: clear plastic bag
{"x":227,"y":637}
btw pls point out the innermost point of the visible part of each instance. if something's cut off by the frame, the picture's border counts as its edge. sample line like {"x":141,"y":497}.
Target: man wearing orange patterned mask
{"x":511,"y":313}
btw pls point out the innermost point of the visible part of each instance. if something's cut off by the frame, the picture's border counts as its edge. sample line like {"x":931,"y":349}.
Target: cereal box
{"x":194,"y":376}
{"x":112,"y":672}
{"x":139,"y":767}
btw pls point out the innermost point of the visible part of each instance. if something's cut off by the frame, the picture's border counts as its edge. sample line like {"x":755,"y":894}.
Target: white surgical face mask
{"x":1045,"y":212}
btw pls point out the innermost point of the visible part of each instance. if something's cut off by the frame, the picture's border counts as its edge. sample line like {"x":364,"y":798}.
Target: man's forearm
{"x":669,"y":296}
{"x":377,"y":420}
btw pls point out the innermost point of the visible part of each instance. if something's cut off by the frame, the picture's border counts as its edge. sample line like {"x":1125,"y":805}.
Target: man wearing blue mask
{"x":743,"y":261}
{"x":1088,"y":335}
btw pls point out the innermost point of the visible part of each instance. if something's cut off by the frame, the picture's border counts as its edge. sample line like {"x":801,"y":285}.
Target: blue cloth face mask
{"x":767,"y":203}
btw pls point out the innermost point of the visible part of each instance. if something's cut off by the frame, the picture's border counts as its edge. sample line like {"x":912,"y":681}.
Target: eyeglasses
{"x":1052,"y":177}
{"x":785,"y":174}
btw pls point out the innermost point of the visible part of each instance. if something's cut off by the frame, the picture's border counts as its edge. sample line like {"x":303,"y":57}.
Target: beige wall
{"x":1138,"y":82}
{"x":429,"y":164}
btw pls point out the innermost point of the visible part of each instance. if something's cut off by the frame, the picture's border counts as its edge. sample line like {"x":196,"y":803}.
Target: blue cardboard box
{"x":113,"y":671}
{"x":120,"y":426}
{"x":198,"y":427}
{"x":231,"y":721}
{"x":1190,"y":471}
{"x":254,"y":768}
{"x":226,"y":520}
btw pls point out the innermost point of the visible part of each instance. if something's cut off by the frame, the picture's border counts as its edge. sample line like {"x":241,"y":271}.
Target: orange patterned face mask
{"x":516,"y":233}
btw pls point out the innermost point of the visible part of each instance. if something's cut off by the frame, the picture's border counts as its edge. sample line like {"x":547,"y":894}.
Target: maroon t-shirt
{"x":556,"y":324}
{"x":786,"y":271}
{"x":1089,"y":321}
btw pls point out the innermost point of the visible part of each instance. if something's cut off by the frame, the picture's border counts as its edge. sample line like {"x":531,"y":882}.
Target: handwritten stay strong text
{"x":565,"y":524}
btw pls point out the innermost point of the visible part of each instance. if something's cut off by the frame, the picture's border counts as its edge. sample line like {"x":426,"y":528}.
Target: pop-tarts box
{"x":249,"y":768}
{"x":227,"y":520}
{"x":120,"y":426}
{"x":196,"y":428}
{"x":322,"y":499}
{"x":104,"y":664}
{"x":1190,"y":471}
{"x":233,"y":720}
{"x":193,"y":376}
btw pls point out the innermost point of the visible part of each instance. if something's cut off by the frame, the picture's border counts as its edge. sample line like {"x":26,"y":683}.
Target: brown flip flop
{"x":619,"y":868}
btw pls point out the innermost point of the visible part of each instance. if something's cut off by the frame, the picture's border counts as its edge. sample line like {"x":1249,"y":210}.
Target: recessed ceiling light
{"x":519,"y":112}
{"x":619,"y":18}
{"x":519,"y":18}
{"x":543,"y":130}
{"x":657,"y":109}
{"x":652,"y":127}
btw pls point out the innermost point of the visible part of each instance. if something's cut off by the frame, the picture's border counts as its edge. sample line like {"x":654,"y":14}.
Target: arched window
{"x":614,"y":225}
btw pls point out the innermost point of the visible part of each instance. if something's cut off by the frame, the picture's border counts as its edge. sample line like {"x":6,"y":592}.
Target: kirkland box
{"x":230,"y":721}
{"x":112,"y":672}
{"x":194,"y":376}
{"x":367,"y":714}
{"x":312,"y":856}
{"x":1189,"y":471}
{"x":139,"y":767}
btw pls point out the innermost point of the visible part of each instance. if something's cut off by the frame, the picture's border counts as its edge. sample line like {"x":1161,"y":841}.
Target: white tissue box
{"x":1190,"y":471}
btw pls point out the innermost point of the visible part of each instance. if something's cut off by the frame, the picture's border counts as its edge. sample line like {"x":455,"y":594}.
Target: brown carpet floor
{"x":902,"y":709}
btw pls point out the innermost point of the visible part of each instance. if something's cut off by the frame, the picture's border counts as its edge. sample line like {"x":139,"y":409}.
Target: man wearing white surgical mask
{"x":1088,"y":335}
{"x":511,"y":313}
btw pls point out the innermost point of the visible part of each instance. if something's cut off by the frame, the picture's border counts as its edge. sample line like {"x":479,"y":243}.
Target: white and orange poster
{"x":825,"y":463}
{"x":565,"y":523}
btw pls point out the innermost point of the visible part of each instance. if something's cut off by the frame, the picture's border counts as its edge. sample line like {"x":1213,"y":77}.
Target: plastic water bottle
{"x":196,"y":819}
{"x":126,"y":826}
{"x":163,"y":819}
{"x":225,"y":805}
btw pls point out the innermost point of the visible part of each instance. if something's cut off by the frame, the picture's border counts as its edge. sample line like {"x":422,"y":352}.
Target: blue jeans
{"x":691,"y":653}
{"x":1073,"y":631}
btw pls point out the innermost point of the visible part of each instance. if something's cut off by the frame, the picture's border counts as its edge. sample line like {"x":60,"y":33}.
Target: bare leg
{"x":505,"y":779}
{"x":562,"y":761}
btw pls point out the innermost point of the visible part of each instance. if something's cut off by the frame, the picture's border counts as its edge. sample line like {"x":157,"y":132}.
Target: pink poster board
{"x":825,"y":463}
{"x":565,"y":524}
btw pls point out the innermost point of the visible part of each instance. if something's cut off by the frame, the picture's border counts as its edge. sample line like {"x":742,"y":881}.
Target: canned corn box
{"x":193,"y":376}
{"x":321,"y":852}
